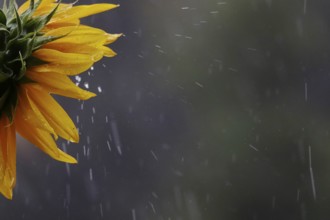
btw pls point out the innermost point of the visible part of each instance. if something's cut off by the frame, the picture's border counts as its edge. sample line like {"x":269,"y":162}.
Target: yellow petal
{"x":108,"y":52}
{"x":43,"y":140}
{"x":95,"y":52}
{"x":84,"y":38}
{"x":112,"y":38}
{"x":53,"y":112}
{"x":45,"y":7}
{"x":31,"y":114}
{"x":81,"y":34}
{"x":23,"y":7}
{"x":7,"y":157}
{"x":57,"y":57}
{"x":59,"y":84}
{"x":61,"y":31}
{"x":69,"y":69}
{"x":82,"y":11}
{"x":75,"y":30}
{"x":6,"y":191}
{"x":52,"y":26}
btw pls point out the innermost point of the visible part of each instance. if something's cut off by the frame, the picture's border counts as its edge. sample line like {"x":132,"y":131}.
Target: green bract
{"x":20,"y":35}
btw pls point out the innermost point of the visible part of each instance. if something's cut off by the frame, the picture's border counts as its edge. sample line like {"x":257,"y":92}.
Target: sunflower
{"x":42,"y":45}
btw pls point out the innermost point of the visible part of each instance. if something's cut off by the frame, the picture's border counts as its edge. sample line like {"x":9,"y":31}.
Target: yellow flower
{"x":42,"y":43}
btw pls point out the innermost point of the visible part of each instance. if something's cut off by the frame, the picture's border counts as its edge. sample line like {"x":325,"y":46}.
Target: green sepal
{"x":24,"y":46}
{"x":26,"y":80}
{"x":20,"y":36}
{"x":34,"y":61}
{"x":18,"y":22}
{"x":33,"y":6}
{"x":8,"y":71}
{"x":8,"y":8}
{"x":3,"y":77}
{"x":3,"y":19}
{"x":39,"y":41}
{"x":4,"y":6}
{"x":8,"y":100}
{"x":37,"y":23}
{"x":22,"y":69}
{"x":3,"y":97}
{"x":11,"y":104}
{"x":4,"y":29}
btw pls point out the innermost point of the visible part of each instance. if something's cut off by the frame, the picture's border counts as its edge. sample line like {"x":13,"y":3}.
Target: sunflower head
{"x":42,"y":43}
{"x":19,"y":36}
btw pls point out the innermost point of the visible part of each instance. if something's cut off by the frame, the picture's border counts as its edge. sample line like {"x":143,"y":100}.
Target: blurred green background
{"x":211,"y":110}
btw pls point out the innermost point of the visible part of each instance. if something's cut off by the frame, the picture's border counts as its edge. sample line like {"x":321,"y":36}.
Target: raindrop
{"x":78,"y":80}
{"x":109,"y":147}
{"x":101,"y":210}
{"x":67,"y":167}
{"x":90,"y":174}
{"x":133,"y":214}
{"x":116,"y":136}
{"x":84,"y":148}
{"x":152,"y":207}
{"x":68,"y":193}
{"x":154,"y":195}
{"x":99,"y":89}
{"x":154,"y":155}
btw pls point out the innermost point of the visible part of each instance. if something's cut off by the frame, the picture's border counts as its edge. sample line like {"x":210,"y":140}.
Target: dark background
{"x":211,"y":110}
